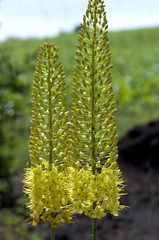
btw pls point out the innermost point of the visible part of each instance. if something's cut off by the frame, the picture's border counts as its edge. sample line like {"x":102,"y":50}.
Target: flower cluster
{"x":103,"y":188}
{"x":56,"y":195}
{"x":47,"y":189}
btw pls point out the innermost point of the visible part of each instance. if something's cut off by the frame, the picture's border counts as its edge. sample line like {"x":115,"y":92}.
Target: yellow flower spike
{"x":46,"y":186}
{"x":93,"y":120}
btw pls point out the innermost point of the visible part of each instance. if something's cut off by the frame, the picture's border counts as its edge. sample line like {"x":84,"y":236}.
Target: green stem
{"x":50,"y":114}
{"x":94,"y":230}
{"x":52,"y":234}
{"x":93,"y":99}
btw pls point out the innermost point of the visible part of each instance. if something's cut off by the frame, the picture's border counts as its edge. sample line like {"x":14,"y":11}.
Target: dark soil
{"x":139,"y":162}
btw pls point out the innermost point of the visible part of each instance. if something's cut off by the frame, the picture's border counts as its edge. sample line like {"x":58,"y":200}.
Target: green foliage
{"x":14,"y":101}
{"x":13,"y":226}
{"x":135,"y":76}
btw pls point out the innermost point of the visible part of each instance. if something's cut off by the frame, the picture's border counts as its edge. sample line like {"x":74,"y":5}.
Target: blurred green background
{"x":135,"y":56}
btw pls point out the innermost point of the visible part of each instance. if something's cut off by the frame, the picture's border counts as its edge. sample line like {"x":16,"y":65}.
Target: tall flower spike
{"x":46,"y":178}
{"x":93,"y":117}
{"x":49,"y":111}
{"x":93,"y":105}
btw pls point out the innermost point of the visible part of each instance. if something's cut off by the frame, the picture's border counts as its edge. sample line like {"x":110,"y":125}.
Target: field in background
{"x":135,"y":56}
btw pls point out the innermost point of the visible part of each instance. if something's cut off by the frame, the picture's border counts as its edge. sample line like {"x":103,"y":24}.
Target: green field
{"x":135,"y":56}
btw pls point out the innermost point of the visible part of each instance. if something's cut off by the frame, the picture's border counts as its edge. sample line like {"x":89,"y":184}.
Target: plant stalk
{"x":94,"y":229}
{"x":50,"y":116}
{"x":52,"y":234}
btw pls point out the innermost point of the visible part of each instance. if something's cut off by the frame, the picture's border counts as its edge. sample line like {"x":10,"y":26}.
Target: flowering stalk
{"x":94,"y":231}
{"x":93,"y":118}
{"x":52,"y":234}
{"x":46,"y":179}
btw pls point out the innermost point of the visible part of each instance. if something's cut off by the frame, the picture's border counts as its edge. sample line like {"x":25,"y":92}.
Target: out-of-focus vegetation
{"x":135,"y":56}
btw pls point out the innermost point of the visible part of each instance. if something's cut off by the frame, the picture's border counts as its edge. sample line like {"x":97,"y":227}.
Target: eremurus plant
{"x":93,"y":117}
{"x":74,"y":166}
{"x":45,"y":180}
